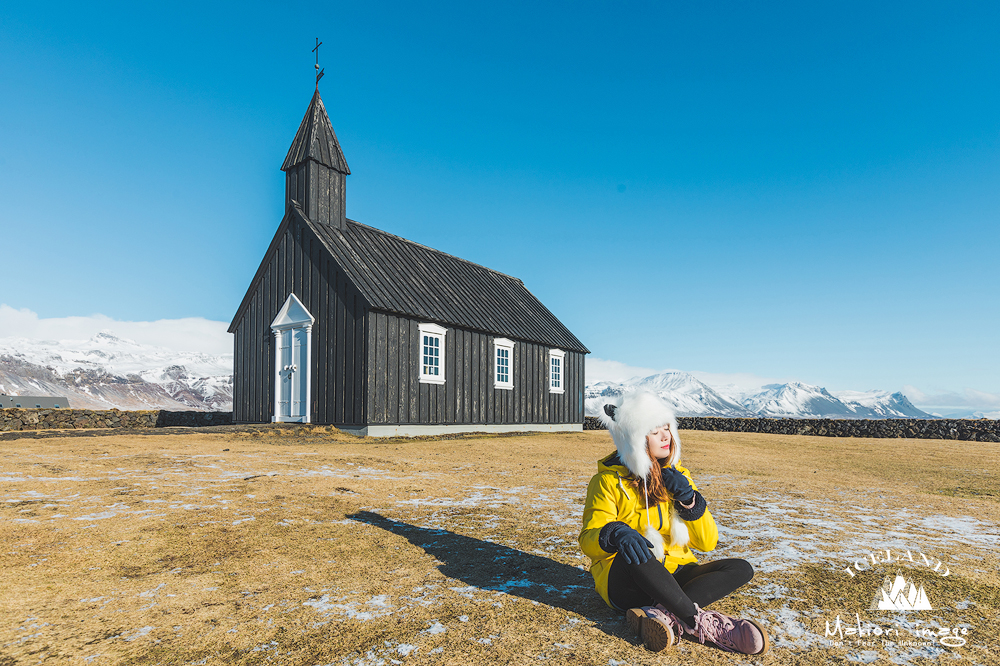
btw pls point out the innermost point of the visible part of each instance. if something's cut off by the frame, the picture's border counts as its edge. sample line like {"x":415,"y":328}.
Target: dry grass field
{"x":306,"y":546}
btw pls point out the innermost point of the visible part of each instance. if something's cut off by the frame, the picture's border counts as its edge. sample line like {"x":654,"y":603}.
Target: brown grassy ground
{"x":311,"y":547}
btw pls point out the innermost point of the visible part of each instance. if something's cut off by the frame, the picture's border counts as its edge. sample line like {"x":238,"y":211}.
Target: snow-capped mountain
{"x":882,"y":404}
{"x":691,"y":397}
{"x":687,"y":395}
{"x":796,"y":399}
{"x":106,"y":371}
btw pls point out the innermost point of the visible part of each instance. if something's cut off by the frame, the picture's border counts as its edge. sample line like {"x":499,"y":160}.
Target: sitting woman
{"x":642,"y":512}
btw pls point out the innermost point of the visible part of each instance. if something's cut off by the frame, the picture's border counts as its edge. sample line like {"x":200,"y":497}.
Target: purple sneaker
{"x":729,"y":633}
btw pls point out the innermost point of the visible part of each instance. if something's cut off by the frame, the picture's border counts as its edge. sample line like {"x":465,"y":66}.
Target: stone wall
{"x":983,"y":430}
{"x":42,"y":419}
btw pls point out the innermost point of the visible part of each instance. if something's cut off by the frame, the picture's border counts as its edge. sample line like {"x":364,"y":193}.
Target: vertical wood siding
{"x":299,"y":264}
{"x":395,"y":394}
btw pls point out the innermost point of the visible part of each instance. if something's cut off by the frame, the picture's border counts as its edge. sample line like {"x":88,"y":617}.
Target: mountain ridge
{"x":690,"y":396}
{"x":106,"y":371}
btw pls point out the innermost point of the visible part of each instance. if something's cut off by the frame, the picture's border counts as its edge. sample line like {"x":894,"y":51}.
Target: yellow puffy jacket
{"x":610,"y":498}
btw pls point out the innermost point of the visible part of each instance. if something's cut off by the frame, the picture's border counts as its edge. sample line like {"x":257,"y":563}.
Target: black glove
{"x":622,"y":539}
{"x":677,"y":485}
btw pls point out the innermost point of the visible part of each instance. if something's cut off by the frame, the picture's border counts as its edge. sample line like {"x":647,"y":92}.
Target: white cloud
{"x":967,"y":399}
{"x":742,"y":381}
{"x":191,"y":334}
{"x":602,"y":370}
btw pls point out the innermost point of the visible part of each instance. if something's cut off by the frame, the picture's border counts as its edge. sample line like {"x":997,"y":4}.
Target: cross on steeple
{"x":319,"y":72}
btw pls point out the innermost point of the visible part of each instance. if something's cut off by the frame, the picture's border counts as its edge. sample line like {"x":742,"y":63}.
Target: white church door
{"x":292,"y":329}
{"x":293,"y":350}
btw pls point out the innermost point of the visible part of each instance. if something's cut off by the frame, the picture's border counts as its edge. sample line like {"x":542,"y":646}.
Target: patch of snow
{"x":863,"y":657}
{"x":98,"y":516}
{"x":436,"y":628}
{"x":152,"y":593}
{"x":138,"y":634}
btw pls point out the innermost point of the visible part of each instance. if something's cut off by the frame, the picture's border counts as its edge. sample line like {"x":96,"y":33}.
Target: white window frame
{"x":498,"y":344}
{"x":561,"y":355}
{"x":434,"y":331}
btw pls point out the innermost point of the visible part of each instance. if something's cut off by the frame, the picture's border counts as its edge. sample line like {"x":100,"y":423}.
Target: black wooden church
{"x":348,"y":325}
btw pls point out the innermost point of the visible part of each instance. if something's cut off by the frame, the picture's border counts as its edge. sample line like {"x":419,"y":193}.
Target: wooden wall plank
{"x":331,"y":389}
{"x":380,"y":413}
{"x":253,"y":380}
{"x":401,"y":327}
{"x":475,"y":413}
{"x":451,"y":372}
{"x":358,"y":332}
{"x":392,"y":370}
{"x":360,"y":414}
{"x":581,"y":383}
{"x":424,"y":403}
{"x":490,"y":379}
{"x":531,"y":382}
{"x":351,"y":346}
{"x":518,"y":407}
{"x":462,"y":401}
{"x":342,"y":414}
{"x":413,"y":370}
{"x":485,"y":367}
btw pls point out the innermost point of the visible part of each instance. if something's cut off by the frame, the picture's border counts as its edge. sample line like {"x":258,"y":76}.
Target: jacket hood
{"x":629,"y":418}
{"x":612,"y":463}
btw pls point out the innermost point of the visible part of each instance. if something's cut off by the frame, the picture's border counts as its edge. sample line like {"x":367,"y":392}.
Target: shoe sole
{"x":655,"y":634}
{"x":767,"y":640}
{"x":634,"y":617}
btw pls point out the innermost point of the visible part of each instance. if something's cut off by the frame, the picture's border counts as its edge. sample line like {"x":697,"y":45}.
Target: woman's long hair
{"x":656,"y":492}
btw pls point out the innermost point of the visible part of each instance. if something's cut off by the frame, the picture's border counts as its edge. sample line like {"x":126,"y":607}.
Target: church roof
{"x":316,"y":140}
{"x":400,"y":276}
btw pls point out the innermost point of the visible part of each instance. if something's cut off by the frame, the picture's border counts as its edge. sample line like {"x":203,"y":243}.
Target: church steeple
{"x":315,"y":168}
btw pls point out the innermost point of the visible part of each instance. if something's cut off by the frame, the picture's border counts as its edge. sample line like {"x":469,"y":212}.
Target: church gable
{"x":296,"y":262}
{"x":288,"y":263}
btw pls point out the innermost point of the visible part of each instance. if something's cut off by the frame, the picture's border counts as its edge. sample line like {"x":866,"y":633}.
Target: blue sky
{"x":788,"y":190}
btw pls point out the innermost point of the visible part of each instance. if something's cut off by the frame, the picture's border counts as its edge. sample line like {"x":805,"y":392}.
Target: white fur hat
{"x":635,"y":416}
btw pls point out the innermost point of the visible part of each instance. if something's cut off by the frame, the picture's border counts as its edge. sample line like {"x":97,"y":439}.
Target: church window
{"x":431,"y":350}
{"x":503,"y":363}
{"x":557,"y":373}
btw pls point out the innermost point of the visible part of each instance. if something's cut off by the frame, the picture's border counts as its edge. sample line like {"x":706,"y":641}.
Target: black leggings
{"x":634,"y":585}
